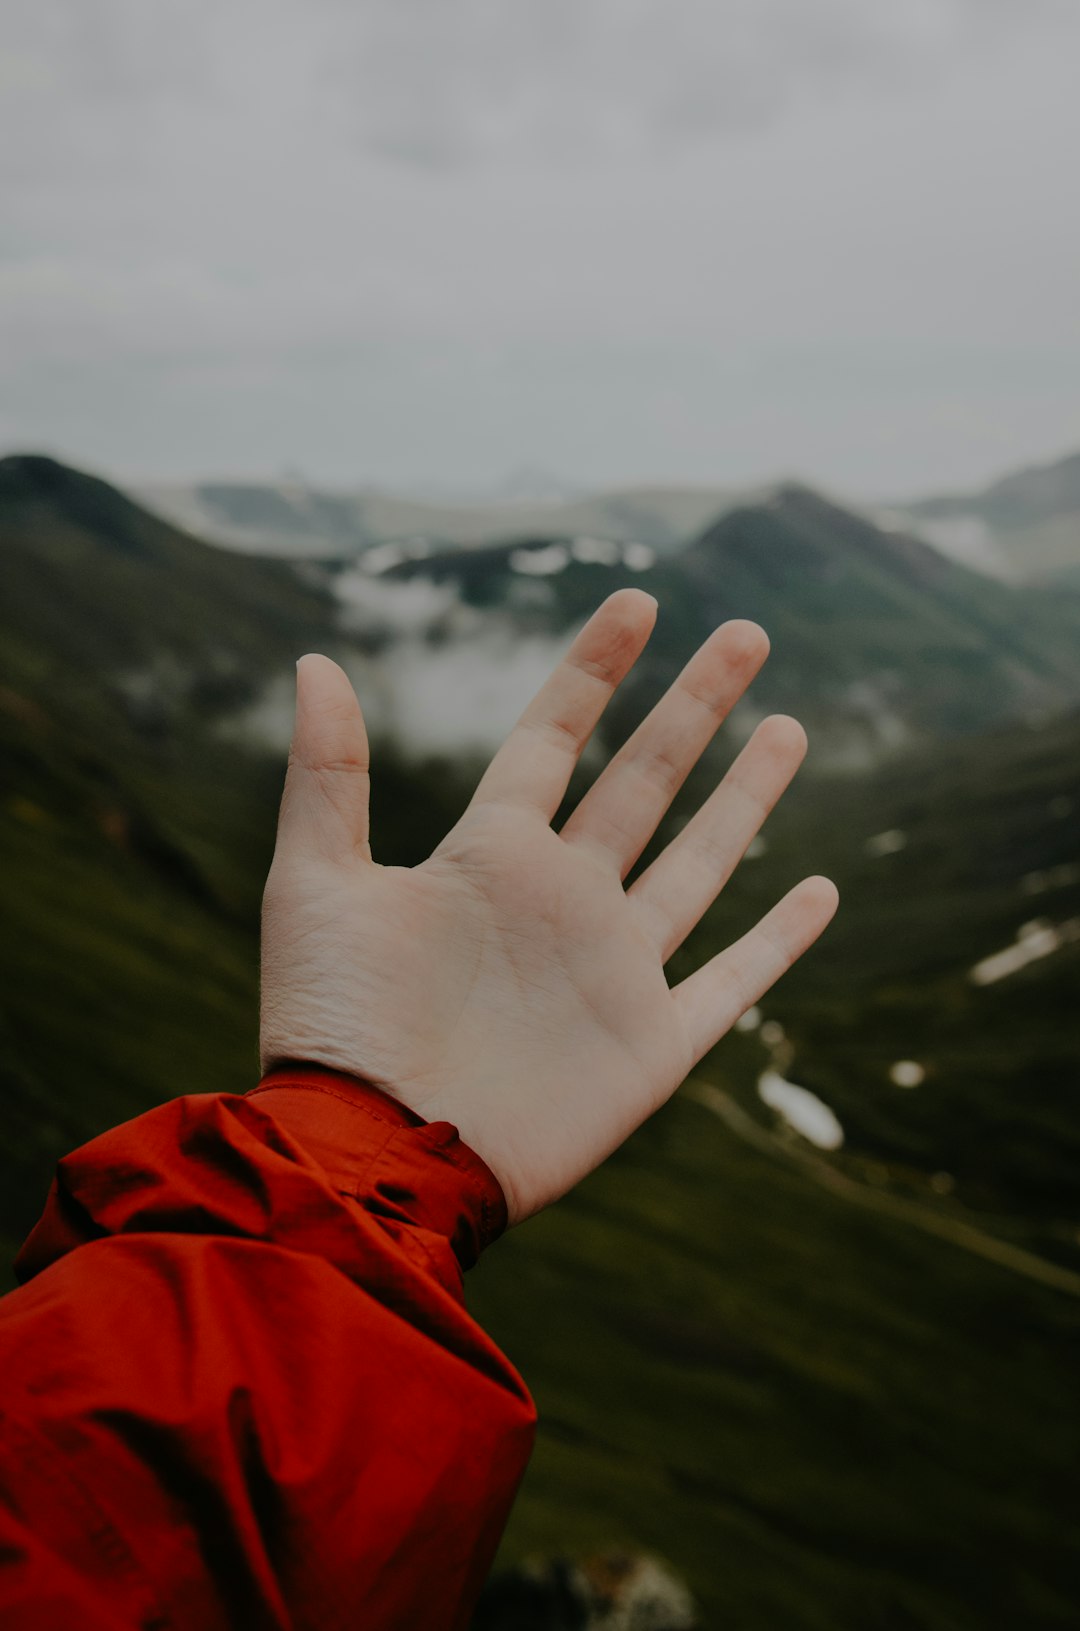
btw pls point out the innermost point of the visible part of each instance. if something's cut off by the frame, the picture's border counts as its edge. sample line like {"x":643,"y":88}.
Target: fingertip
{"x":743,"y":636}
{"x":325,"y":699}
{"x":317,"y":669}
{"x":314,"y":659}
{"x":784,"y":734}
{"x":617,"y":633}
{"x":824,"y":894}
{"x":637,"y":601}
{"x":325,"y":802}
{"x":306,"y":668}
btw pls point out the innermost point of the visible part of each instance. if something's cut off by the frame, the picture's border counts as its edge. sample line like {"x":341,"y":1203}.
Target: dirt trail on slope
{"x":957,"y":1233}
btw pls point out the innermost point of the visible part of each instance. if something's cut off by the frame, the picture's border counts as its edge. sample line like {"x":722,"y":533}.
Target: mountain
{"x":1026,"y":525}
{"x":210,"y":625}
{"x":864,"y":619}
{"x":880,"y":638}
{"x":831,"y":1386}
{"x":301,"y":522}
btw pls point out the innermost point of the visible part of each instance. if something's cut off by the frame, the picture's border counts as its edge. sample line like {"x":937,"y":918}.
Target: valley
{"x":830,"y":1385}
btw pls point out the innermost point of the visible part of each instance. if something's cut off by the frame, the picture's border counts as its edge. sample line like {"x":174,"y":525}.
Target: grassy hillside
{"x":97,"y":590}
{"x":943,"y":859}
{"x":823,"y":1417}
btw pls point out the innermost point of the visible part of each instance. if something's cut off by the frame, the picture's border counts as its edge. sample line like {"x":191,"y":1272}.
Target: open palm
{"x":511,"y":984}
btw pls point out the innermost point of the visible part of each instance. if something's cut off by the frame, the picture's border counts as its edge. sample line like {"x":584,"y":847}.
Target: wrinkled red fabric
{"x":240,"y":1388}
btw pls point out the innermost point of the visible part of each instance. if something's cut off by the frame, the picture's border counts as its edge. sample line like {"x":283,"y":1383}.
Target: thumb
{"x":325,"y":804}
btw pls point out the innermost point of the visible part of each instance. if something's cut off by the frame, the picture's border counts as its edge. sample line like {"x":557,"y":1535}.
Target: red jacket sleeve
{"x":240,"y":1386}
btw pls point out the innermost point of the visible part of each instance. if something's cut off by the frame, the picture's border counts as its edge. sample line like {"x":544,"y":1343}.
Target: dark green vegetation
{"x":801,"y":1378}
{"x":822,"y":1417}
{"x":991,"y":846}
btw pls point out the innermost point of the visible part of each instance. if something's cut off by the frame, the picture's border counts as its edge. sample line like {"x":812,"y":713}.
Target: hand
{"x":510,"y":984}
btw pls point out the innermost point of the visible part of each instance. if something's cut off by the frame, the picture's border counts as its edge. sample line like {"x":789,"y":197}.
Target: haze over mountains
{"x":293,"y":519}
{"x":866,"y":1353}
{"x":886,"y":641}
{"x":1025,"y":526}
{"x":879,"y":639}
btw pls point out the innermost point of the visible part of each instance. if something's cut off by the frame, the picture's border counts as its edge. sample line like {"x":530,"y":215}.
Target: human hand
{"x":510,"y":984}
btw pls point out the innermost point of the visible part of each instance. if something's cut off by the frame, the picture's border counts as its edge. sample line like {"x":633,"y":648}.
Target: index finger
{"x":534,"y":764}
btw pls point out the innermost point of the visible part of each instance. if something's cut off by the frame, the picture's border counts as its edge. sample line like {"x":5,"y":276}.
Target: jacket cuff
{"x":386,"y":1157}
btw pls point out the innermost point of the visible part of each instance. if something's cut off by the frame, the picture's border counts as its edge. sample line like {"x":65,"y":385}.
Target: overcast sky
{"x":435,"y":241}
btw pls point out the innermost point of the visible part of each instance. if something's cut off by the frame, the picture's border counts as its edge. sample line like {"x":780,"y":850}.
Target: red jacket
{"x":239,"y":1388}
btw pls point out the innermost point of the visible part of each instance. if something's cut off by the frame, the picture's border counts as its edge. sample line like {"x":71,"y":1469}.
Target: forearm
{"x":243,"y":1341}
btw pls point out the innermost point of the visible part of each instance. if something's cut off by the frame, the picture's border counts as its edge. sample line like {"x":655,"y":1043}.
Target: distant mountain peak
{"x":1024,"y":526}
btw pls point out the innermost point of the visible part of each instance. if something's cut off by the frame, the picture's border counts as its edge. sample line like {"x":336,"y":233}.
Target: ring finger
{"x":681,"y":884}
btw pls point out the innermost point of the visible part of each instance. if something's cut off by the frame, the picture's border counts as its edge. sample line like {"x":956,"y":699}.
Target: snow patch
{"x":803,"y":1111}
{"x":595,"y":551}
{"x":540,"y":563}
{"x":1033,"y":941}
{"x":886,"y":843}
{"x":639,"y":557}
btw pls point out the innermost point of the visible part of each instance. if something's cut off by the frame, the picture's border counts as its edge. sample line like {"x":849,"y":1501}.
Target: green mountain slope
{"x":94,"y":586}
{"x":851,"y":606}
{"x":822,"y":1416}
{"x":949,"y":864}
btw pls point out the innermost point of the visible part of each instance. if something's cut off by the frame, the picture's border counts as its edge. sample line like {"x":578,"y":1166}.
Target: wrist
{"x":386,"y":1156}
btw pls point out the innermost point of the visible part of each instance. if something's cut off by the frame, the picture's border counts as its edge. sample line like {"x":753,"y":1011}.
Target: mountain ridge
{"x":1027,"y":521}
{"x":878,"y":634}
